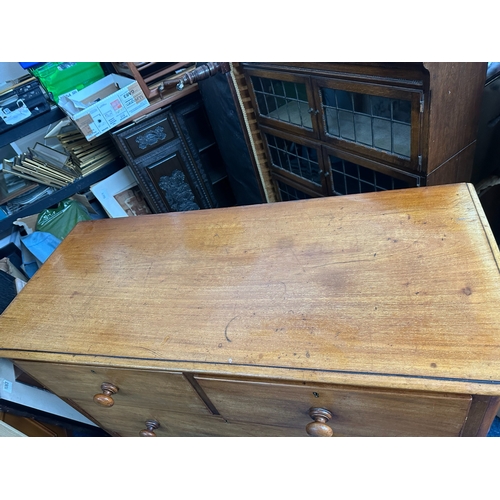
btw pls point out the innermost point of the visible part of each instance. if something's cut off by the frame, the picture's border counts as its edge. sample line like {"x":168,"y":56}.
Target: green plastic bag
{"x":61,"y":220}
{"x":60,"y":77}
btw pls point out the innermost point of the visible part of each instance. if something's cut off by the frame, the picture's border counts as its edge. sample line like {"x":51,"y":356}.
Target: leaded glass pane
{"x":381,"y":123}
{"x":346,"y":123}
{"x":401,"y":131}
{"x":350,"y":178}
{"x":277,"y":87}
{"x":363,"y":127}
{"x":289,"y":193}
{"x":294,"y":158}
{"x":283,"y":101}
{"x":332,"y":121}
{"x":382,"y":134}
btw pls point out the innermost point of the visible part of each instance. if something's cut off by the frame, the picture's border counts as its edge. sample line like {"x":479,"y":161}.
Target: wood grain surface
{"x":355,"y":411}
{"x":173,"y":424}
{"x":389,"y":289}
{"x":170,"y":391}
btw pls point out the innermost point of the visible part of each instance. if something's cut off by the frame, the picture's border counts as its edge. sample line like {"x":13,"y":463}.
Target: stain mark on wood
{"x":467,"y":290}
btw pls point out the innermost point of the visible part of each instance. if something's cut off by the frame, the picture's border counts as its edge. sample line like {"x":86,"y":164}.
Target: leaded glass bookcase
{"x":345,"y":128}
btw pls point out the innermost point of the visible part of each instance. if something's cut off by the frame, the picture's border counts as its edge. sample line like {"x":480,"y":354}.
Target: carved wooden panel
{"x":166,"y":161}
{"x":174,"y":184}
{"x":150,"y":137}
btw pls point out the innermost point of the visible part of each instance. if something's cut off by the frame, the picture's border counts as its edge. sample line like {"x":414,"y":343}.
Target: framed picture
{"x":120,"y":195}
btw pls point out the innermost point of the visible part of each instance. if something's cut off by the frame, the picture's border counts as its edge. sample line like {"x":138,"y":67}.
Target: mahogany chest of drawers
{"x":366,"y":315}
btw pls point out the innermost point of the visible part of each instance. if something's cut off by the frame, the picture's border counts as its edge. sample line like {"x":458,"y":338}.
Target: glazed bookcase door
{"x":283,"y":101}
{"x":375,"y":121}
{"x":351,"y":174}
{"x":297,"y":161}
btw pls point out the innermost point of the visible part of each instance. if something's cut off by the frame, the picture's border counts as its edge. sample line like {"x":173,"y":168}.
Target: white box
{"x":104,"y":104}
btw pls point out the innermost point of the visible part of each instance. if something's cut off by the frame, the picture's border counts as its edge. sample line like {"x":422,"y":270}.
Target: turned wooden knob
{"x":318,"y":428}
{"x":151,"y":425}
{"x":105,"y":398}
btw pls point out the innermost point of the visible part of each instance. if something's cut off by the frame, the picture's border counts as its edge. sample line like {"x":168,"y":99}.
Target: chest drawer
{"x":354,"y":411}
{"x":164,"y":390}
{"x":132,"y":420}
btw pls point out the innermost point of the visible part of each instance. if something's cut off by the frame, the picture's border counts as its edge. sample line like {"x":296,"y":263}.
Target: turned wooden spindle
{"x":201,"y":73}
{"x":318,"y":428}
{"x":151,"y":425}
{"x":105,"y":399}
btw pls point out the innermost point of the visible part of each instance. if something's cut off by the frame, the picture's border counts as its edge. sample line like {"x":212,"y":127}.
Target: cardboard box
{"x":104,"y":104}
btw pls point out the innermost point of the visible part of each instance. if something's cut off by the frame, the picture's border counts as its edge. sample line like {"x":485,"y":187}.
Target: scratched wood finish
{"x":393,"y":289}
{"x":355,"y":412}
{"x":170,"y":391}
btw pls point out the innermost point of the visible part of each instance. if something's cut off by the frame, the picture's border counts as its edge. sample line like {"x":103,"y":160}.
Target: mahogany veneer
{"x":364,"y":315}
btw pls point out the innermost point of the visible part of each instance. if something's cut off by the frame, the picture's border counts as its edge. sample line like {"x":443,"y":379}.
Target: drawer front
{"x":165,"y":390}
{"x":130,"y":421}
{"x":355,"y":412}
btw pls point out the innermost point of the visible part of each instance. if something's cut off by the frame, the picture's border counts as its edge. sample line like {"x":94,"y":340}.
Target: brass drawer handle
{"x":151,"y":425}
{"x":319,"y":428}
{"x":105,"y":398}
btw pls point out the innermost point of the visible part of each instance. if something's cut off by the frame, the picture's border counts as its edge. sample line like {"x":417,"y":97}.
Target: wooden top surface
{"x":390,"y":289}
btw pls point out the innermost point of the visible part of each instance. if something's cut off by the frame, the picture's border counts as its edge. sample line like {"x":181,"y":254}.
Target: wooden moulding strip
{"x":87,"y":147}
{"x":30,"y":175}
{"x":92,"y":168}
{"x":277,"y":374}
{"x":30,"y":178}
{"x":93,"y":155}
{"x":171,"y":69}
{"x":254,"y":139}
{"x":53,"y":168}
{"x":43,"y":169}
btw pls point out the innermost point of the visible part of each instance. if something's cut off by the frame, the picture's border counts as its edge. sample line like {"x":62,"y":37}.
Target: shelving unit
{"x":79,"y":185}
{"x":61,"y":194}
{"x":31,"y":126}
